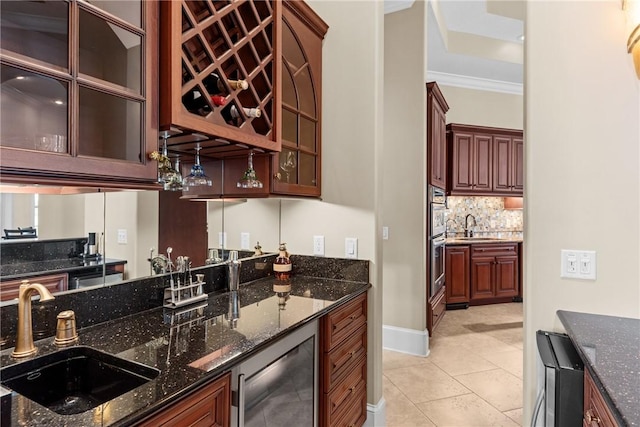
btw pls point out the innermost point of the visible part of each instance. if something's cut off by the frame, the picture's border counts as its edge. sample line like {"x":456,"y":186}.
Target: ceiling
{"x":473,"y":43}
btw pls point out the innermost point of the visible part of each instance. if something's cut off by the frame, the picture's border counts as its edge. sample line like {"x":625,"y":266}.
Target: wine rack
{"x":206,"y":45}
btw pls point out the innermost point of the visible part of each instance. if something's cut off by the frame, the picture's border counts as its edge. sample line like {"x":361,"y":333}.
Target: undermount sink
{"x":75,"y":379}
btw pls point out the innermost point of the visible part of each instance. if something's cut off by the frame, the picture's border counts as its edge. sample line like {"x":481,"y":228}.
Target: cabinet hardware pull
{"x":278,"y":176}
{"x":352,"y":352}
{"x":353,"y":317}
{"x":589,"y":417}
{"x":352,"y":390}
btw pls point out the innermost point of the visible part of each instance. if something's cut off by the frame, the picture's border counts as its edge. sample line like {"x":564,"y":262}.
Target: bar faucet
{"x":24,"y":340}
{"x":467,"y":231}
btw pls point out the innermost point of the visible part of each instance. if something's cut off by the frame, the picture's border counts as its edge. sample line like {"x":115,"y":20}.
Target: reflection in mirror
{"x":245,"y":223}
{"x":125,"y":224}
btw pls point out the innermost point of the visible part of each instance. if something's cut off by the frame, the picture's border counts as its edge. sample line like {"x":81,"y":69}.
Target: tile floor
{"x":471,"y":378}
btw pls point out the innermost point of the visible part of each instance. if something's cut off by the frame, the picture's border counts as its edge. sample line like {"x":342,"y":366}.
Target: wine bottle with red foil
{"x":282,"y":265}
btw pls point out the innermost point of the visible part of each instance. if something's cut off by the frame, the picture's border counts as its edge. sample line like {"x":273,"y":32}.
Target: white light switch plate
{"x":351,"y":247}
{"x":318,"y":245}
{"x":122,"y":236}
{"x":578,"y":264}
{"x":245,"y":241}
{"x":385,"y":233}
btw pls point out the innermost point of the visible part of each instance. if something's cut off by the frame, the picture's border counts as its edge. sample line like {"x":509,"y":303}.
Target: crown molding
{"x":477,"y":83}
{"x":391,"y":6}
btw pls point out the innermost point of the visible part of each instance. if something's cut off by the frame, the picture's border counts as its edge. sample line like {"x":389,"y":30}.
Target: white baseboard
{"x":376,"y":414}
{"x":405,"y":340}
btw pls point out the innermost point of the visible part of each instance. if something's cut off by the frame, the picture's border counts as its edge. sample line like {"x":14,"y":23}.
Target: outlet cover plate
{"x":318,"y":245}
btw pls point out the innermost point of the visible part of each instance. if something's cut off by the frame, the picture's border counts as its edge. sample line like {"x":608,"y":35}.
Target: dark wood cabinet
{"x":437,"y":108}
{"x":209,"y":406}
{"x":53,"y":282}
{"x":276,"y":48}
{"x":471,"y":163}
{"x":494,"y":273}
{"x":436,"y":309}
{"x":79,"y":93}
{"x":485,"y":161}
{"x":457,"y":272}
{"x":343,"y":365}
{"x":596,"y":411}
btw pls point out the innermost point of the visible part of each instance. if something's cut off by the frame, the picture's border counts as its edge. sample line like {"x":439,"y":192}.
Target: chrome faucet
{"x":24,"y":340}
{"x":467,"y":231}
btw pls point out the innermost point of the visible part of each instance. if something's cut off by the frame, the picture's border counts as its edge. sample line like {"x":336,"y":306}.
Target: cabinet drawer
{"x":343,"y":322}
{"x":342,"y":359}
{"x":494,"y":249}
{"x":356,"y":415}
{"x":346,"y":394}
{"x":439,"y":305}
{"x":596,"y":412}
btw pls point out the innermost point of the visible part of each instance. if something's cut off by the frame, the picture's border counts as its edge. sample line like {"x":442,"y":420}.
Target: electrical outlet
{"x":222,"y":239}
{"x":245,"y":241}
{"x":575,"y":264}
{"x":385,"y":233}
{"x":122,"y":236}
{"x":351,"y":247}
{"x":318,"y":245}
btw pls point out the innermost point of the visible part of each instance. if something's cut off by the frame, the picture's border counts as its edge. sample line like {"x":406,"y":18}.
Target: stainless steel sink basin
{"x":75,"y":379}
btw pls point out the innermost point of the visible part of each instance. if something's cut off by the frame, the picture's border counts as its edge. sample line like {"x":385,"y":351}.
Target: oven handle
{"x":241,"y":400}
{"x":439,"y":241}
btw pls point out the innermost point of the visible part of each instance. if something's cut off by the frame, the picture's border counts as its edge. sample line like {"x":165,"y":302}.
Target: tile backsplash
{"x":491,"y":217}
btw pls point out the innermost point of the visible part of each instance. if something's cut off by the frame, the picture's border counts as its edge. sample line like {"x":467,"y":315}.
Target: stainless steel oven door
{"x":438,"y":221}
{"x":279,"y":384}
{"x":437,"y":263}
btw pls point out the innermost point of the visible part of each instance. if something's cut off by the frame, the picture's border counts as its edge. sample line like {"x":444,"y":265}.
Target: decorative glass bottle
{"x":282,"y":264}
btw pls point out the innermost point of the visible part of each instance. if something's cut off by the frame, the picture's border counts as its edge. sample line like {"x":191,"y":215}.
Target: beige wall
{"x":484,"y":108}
{"x":404,"y":170}
{"x":62,"y":216}
{"x":582,"y":166}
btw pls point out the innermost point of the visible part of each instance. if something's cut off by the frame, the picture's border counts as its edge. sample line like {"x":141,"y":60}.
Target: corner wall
{"x":582,"y":162}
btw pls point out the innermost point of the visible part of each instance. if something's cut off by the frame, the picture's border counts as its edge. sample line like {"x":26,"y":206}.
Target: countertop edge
{"x":615,"y":410}
{"x":151,"y":410}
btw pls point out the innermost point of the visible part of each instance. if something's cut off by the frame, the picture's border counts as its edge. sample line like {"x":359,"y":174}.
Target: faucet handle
{"x":66,"y":329}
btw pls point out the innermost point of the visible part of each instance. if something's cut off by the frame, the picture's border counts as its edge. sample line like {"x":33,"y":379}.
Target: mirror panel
{"x":126,"y":226}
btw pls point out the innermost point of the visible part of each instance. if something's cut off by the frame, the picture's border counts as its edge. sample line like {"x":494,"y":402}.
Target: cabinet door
{"x":210,"y":406}
{"x":296,"y":169}
{"x":53,"y":282}
{"x":77,"y":93}
{"x":482,"y":277}
{"x":457,"y":274}
{"x":483,"y":163}
{"x":462,"y":162}
{"x":506,"y":276}
{"x":517,"y":165}
{"x":438,"y":146}
{"x":502,"y":164}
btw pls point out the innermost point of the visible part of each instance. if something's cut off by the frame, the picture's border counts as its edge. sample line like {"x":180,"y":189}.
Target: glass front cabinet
{"x":78,"y":89}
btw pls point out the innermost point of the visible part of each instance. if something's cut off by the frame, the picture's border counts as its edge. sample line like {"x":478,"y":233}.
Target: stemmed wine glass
{"x":249,"y":178}
{"x":197,"y":176}
{"x":170,"y":178}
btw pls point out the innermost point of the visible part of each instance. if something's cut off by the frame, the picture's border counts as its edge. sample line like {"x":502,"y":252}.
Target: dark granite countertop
{"x":189,"y":346}
{"x":610,"y":349}
{"x":53,"y":266}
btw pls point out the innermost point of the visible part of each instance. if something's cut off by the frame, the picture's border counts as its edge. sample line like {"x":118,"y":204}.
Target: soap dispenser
{"x":282,"y":264}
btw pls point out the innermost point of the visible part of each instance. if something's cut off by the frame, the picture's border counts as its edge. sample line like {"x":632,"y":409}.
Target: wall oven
{"x":437,"y":229}
{"x":277,"y":386}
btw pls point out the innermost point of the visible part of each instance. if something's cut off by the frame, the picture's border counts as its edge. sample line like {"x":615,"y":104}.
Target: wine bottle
{"x":194,"y":102}
{"x":282,"y":264}
{"x":231,"y":113}
{"x":214,"y":85}
{"x":218,"y":100}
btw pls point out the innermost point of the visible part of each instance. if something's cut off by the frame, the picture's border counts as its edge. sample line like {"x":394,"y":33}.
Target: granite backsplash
{"x":109,"y":302}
